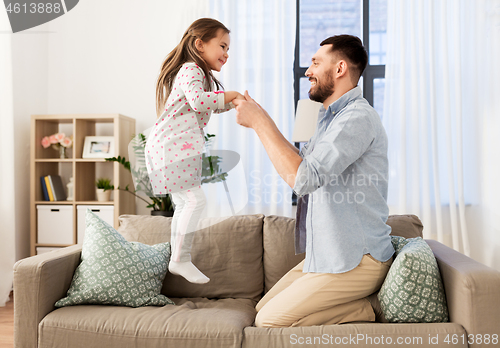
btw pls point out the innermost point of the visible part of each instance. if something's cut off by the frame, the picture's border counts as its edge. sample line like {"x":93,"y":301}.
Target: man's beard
{"x":322,"y":90}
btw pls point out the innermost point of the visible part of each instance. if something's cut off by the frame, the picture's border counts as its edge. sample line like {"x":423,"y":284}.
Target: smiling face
{"x":214,"y":52}
{"x":320,"y":75}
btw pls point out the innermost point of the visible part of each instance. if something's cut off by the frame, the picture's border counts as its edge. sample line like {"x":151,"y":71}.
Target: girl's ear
{"x":199,"y":45}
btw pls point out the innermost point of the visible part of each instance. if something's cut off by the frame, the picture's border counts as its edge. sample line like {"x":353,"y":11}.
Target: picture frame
{"x":99,"y":147}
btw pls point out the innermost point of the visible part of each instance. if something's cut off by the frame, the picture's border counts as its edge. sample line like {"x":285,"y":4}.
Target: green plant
{"x":211,"y":172}
{"x":141,"y":177}
{"x":104,"y":183}
{"x":210,"y":168}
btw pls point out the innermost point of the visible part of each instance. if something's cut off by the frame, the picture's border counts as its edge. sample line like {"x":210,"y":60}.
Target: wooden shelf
{"x":96,"y":160}
{"x":52,"y":245}
{"x":95,"y":203}
{"x":75,"y":202}
{"x":53,"y":160}
{"x":55,"y":202}
{"x":83,"y":170}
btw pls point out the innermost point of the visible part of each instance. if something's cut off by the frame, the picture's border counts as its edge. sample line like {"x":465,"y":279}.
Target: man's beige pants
{"x":307,"y":299}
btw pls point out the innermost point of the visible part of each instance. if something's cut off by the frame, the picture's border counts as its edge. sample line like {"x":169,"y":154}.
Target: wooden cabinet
{"x":47,"y":161}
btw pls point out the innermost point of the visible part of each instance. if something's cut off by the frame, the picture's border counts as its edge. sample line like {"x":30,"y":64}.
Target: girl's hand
{"x":232,"y":95}
{"x":240,"y":97}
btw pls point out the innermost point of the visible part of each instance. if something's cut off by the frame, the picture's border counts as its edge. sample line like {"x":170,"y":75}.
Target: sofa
{"x":244,"y":256}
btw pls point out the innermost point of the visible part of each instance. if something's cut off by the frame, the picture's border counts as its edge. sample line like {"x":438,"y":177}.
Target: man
{"x":340,"y":176}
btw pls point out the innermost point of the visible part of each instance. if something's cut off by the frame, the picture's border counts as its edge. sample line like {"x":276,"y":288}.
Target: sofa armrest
{"x":39,"y":282}
{"x":472,"y":292}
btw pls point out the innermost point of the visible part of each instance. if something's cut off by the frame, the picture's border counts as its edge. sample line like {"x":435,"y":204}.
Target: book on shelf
{"x":52,"y":188}
{"x":57,"y":187}
{"x":49,"y":189}
{"x":44,"y":189}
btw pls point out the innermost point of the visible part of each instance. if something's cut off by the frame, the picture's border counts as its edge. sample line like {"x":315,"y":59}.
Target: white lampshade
{"x":305,"y":120}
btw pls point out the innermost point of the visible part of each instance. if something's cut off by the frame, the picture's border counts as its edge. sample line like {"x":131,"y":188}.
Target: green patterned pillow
{"x":114,"y":271}
{"x":413,"y":291}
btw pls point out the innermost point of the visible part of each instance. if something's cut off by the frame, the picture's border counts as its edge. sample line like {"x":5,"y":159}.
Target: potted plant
{"x":210,"y":166}
{"x":161,"y":205}
{"x":103,"y":190}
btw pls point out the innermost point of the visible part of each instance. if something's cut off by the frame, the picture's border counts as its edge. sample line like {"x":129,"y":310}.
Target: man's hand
{"x":283,"y":155}
{"x":249,"y":113}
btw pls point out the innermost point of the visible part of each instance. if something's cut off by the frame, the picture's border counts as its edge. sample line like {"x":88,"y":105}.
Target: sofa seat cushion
{"x":356,"y":335}
{"x":195,"y":322}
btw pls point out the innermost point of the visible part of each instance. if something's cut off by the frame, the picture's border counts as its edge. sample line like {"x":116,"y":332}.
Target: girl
{"x":185,"y":99}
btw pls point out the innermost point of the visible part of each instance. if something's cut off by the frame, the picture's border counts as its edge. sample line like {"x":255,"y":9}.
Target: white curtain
{"x":7,"y":198}
{"x":485,"y":215}
{"x":441,"y":74}
{"x":261,"y":59}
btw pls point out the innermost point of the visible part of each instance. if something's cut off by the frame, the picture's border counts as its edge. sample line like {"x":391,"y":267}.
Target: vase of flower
{"x":59,"y":142}
{"x":62,"y":152}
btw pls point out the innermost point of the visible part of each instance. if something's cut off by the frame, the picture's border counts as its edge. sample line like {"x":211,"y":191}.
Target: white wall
{"x":30,"y":62}
{"x":101,"y":57}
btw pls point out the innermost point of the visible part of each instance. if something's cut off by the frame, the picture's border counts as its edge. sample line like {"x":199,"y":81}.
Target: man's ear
{"x":341,"y":68}
{"x":199,"y":45}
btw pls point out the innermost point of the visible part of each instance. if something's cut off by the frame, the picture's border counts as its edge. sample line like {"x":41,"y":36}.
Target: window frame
{"x":371,"y":72}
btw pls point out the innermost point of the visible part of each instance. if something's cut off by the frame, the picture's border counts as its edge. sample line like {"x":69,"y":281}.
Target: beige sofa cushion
{"x":279,"y":247}
{"x":356,"y":335}
{"x":227,"y":250}
{"x":377,"y":308}
{"x":191,"y":323}
{"x":408,"y":226}
{"x":146,"y":229}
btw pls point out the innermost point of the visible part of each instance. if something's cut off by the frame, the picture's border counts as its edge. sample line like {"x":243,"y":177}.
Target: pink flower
{"x":45,"y":142}
{"x":66,"y":142}
{"x":57,"y":140}
{"x":60,"y":136}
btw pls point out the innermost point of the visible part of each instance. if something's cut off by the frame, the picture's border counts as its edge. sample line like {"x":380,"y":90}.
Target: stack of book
{"x":52,"y":187}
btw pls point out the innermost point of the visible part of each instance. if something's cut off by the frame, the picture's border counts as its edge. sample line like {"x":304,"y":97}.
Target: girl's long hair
{"x":204,"y":29}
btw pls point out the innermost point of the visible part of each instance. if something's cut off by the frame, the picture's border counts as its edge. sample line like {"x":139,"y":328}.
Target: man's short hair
{"x":351,"y":48}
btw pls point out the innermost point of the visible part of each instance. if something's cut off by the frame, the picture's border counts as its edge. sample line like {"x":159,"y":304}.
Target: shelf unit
{"x":47,"y":162}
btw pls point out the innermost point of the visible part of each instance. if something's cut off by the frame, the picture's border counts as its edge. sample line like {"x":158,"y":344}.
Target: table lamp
{"x":306,"y":118}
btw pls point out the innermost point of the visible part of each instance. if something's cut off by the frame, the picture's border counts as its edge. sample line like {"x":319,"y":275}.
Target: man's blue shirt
{"x":343,"y":175}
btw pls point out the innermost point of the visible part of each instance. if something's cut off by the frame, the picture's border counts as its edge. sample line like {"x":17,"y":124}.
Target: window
{"x":319,"y":19}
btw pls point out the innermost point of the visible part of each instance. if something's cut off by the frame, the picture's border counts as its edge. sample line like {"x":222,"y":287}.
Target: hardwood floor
{"x":7,"y":325}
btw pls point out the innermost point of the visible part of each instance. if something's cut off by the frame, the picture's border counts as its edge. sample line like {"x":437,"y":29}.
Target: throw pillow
{"x":413,"y":291}
{"x":116,"y":272}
